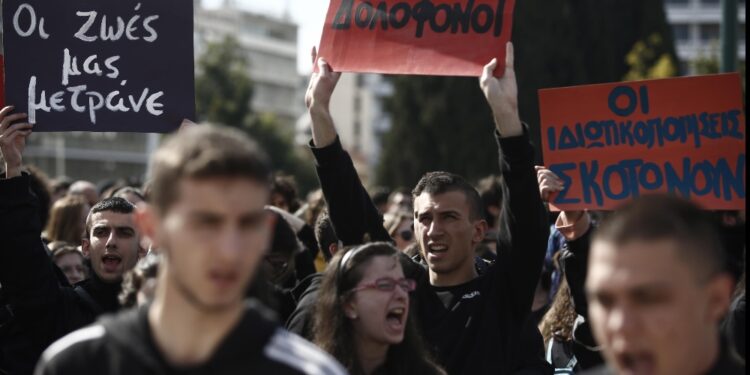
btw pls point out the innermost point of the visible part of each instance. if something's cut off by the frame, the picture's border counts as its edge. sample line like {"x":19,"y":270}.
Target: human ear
{"x":86,"y":247}
{"x":719,"y":291}
{"x":146,"y":222}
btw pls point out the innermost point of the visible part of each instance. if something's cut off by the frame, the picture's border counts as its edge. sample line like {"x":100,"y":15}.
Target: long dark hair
{"x":334,"y":332}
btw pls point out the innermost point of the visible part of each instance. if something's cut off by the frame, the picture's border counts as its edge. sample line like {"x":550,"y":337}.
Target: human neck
{"x":456,"y":277}
{"x":371,"y":355}
{"x":185,"y":334}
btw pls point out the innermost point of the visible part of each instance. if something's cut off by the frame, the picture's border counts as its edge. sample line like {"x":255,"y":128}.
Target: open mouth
{"x":636,"y":363}
{"x":396,"y":318}
{"x":223,"y":279}
{"x":436,"y":251}
{"x":111,"y":262}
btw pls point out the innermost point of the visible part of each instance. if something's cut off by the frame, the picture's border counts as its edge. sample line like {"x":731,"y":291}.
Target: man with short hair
{"x":43,"y":309}
{"x":207,"y":218}
{"x":474,"y":323}
{"x":657,"y":290}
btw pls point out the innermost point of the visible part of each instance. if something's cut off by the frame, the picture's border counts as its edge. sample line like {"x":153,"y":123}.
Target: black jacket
{"x":480,"y":327}
{"x":123,"y":345}
{"x":43,"y":308}
{"x":727,"y":364}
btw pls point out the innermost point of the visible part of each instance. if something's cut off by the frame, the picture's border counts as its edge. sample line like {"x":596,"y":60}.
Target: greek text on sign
{"x":434,"y":37}
{"x":114,"y":65}
{"x":613,"y":142}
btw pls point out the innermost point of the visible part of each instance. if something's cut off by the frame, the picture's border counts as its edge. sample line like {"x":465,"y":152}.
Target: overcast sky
{"x":308,"y":14}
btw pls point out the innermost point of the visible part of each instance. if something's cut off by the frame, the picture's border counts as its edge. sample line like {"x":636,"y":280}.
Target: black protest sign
{"x":100,"y":65}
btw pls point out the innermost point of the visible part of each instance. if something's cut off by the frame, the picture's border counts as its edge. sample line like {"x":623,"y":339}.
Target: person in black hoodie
{"x":473,"y":324}
{"x":207,"y":218}
{"x":44,"y":308}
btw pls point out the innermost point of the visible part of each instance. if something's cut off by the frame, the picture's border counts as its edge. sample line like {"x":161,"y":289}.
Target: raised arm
{"x":351,"y":210}
{"x":526,"y":217}
{"x":26,"y":271}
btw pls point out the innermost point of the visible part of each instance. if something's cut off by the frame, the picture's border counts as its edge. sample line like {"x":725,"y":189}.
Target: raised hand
{"x":549,"y":183}
{"x":13,"y":140}
{"x":502,"y":95}
{"x":321,"y":86}
{"x":318,"y":100}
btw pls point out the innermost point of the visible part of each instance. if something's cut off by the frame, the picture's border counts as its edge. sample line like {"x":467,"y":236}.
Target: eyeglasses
{"x":388,"y":284}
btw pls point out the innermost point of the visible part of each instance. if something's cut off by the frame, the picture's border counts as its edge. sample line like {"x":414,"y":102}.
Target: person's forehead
{"x":448,"y":201}
{"x":636,"y":264}
{"x":71,"y":258}
{"x":382,"y":266}
{"x":111,"y":218}
{"x":221,"y":194}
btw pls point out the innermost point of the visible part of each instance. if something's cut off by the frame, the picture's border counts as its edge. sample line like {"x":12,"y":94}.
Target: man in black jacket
{"x":475,"y":324}
{"x":207,"y":218}
{"x":44,"y":310}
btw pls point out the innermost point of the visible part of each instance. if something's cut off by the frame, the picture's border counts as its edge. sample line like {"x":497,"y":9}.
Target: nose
{"x":400,"y":293}
{"x":622,"y":321}
{"x":435,"y":229}
{"x":230,"y":245}
{"x":112,"y":240}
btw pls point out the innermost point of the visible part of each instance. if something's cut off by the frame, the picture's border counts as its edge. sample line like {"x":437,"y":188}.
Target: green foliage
{"x":223,"y":88}
{"x":646,"y":60}
{"x":444,"y":123}
{"x":280,"y":148}
{"x":223,"y":95}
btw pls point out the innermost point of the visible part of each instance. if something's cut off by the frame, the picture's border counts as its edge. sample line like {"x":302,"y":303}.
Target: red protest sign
{"x":610,"y":143}
{"x":431,"y":37}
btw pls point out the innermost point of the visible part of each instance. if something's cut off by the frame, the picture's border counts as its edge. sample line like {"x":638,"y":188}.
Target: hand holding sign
{"x":502,"y":94}
{"x":549,"y":183}
{"x":13,"y":140}
{"x":318,"y":97}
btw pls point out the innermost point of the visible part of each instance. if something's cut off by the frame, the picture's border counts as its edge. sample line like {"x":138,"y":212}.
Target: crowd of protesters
{"x":216,"y":265}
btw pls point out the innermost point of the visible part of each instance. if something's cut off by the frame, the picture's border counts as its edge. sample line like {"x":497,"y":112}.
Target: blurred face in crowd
{"x":446,"y":234}
{"x":72,"y":266}
{"x":400,"y":201}
{"x":278,"y":200}
{"x":651,"y":311}
{"x":404,"y":235}
{"x":214,"y":236}
{"x":112,"y":244}
{"x":379,"y":315}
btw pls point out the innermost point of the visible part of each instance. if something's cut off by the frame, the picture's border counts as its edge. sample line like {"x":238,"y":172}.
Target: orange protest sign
{"x":431,"y":37}
{"x":610,"y":143}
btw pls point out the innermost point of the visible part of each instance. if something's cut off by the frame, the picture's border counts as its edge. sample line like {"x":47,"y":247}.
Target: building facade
{"x":356,"y":108}
{"x":696,"y":28}
{"x":270,"y":45}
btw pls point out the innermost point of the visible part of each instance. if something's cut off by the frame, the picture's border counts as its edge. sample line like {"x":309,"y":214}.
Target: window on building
{"x":357,"y":104}
{"x":709,"y":32}
{"x":681,"y":32}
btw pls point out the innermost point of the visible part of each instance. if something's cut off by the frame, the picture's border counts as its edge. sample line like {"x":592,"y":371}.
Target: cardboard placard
{"x":104,"y":65}
{"x":610,"y":143}
{"x":428,"y":37}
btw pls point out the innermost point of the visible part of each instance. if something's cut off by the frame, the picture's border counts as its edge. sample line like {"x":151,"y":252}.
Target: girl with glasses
{"x":362,"y":317}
